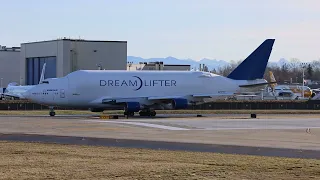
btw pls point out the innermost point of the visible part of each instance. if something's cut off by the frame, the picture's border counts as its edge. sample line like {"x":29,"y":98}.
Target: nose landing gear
{"x":52,"y":113}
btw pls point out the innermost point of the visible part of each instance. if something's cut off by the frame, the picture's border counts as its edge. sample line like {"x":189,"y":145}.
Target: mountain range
{"x":210,"y":63}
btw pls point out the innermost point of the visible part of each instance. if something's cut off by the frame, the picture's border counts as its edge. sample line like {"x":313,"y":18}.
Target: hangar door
{"x":34,"y":68}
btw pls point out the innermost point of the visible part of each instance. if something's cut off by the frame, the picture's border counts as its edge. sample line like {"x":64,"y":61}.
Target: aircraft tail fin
{"x":254,"y":66}
{"x":42,"y":73}
{"x":272,"y":79}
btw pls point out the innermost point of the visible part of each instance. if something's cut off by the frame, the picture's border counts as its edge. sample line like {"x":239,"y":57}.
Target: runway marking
{"x":141,"y":124}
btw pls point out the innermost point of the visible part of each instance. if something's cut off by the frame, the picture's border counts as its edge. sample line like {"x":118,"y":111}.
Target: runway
{"x":268,"y":135}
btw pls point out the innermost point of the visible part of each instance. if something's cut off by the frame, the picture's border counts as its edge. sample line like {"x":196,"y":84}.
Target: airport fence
{"x":259,"y":105}
{"x":219,"y":105}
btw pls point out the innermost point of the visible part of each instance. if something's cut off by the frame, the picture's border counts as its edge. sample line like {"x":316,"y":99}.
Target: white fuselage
{"x":17,"y":91}
{"x":88,"y":88}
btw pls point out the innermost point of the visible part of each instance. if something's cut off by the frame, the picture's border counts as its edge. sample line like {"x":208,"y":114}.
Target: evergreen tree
{"x":309,"y":71}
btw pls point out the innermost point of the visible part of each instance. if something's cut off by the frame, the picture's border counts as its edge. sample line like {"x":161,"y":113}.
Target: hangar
{"x":9,"y":65}
{"x":63,"y":56}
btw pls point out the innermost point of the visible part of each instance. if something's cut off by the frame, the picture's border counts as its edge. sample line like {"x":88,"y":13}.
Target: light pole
{"x":303,"y":66}
{"x":130,"y":64}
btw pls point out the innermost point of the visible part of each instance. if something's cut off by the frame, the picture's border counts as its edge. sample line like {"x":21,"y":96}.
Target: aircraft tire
{"x":52,"y":113}
{"x":143,"y":113}
{"x":128,"y":113}
{"x":147,"y":113}
{"x":152,"y":113}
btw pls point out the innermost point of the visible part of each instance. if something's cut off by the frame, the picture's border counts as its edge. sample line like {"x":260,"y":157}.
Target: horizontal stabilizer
{"x":255,"y":85}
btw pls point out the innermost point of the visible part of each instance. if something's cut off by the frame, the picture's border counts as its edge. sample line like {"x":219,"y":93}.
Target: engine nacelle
{"x":179,"y":103}
{"x":96,"y":109}
{"x":132,"y":106}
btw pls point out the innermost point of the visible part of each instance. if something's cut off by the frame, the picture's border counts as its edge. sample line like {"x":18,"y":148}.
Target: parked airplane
{"x":14,"y":91}
{"x":302,"y":91}
{"x":281,"y":91}
{"x":146,"y":91}
{"x":291,"y":90}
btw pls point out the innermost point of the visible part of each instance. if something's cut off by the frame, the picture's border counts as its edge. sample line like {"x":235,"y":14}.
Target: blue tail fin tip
{"x":254,"y":66}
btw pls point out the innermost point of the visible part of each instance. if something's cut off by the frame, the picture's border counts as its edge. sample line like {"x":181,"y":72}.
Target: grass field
{"x":81,"y":112}
{"x":50,"y":161}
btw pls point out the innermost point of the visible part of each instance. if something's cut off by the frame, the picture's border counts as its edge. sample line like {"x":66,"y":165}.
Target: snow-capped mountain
{"x":210,"y":63}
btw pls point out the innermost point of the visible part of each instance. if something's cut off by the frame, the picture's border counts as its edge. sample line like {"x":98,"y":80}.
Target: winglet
{"x":254,"y":66}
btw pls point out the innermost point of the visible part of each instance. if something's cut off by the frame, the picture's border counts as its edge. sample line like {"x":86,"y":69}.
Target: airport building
{"x":9,"y":65}
{"x":157,"y":66}
{"x":23,"y":64}
{"x":63,"y":56}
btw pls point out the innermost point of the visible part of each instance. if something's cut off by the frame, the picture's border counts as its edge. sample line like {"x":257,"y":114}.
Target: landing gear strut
{"x":128,"y":113}
{"x":147,"y":112}
{"x":52,"y":113}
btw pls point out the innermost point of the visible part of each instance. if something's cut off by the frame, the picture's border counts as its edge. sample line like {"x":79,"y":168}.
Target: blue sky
{"x":214,"y":29}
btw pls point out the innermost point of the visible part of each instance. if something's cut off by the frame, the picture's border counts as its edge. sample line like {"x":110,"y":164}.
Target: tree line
{"x":284,"y":73}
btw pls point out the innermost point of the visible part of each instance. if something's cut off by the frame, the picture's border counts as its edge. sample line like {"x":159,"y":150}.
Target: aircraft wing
{"x":163,"y":97}
{"x":223,"y":94}
{"x":214,"y":95}
{"x":116,"y":100}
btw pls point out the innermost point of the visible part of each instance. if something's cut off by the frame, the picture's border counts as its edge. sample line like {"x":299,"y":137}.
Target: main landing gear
{"x":52,"y":113}
{"x":144,"y":112}
{"x":147,"y":112}
{"x":128,"y":113}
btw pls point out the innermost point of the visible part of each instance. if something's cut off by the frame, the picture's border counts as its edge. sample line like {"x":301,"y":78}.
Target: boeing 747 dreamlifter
{"x":147,"y":91}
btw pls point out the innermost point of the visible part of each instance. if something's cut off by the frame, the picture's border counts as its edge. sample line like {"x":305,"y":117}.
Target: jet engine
{"x":96,"y":109}
{"x":179,"y":103}
{"x":132,"y":106}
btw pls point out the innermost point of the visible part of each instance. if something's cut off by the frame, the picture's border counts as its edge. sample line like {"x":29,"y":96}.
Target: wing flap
{"x":163,"y":97}
{"x":116,"y":100}
{"x":224,"y":94}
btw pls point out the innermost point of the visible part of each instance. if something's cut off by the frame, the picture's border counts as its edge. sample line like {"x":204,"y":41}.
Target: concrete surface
{"x":288,"y":135}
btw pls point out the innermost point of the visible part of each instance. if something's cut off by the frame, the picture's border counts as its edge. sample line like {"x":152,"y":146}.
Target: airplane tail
{"x":272,"y":79}
{"x":42,"y":73}
{"x":254,"y":66}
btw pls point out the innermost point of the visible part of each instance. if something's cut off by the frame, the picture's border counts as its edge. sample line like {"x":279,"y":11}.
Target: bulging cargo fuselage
{"x":87,"y":88}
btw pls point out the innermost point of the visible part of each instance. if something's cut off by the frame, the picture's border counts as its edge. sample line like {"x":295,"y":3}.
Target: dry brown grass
{"x":51,"y":161}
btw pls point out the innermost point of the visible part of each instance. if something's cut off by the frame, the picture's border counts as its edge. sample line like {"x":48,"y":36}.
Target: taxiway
{"x":269,"y":135}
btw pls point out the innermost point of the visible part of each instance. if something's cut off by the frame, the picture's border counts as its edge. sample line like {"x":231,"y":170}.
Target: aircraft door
{"x":62,"y":93}
{"x":43,"y":95}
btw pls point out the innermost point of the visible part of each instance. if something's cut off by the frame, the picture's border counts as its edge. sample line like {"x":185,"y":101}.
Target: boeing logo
{"x":138,"y":83}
